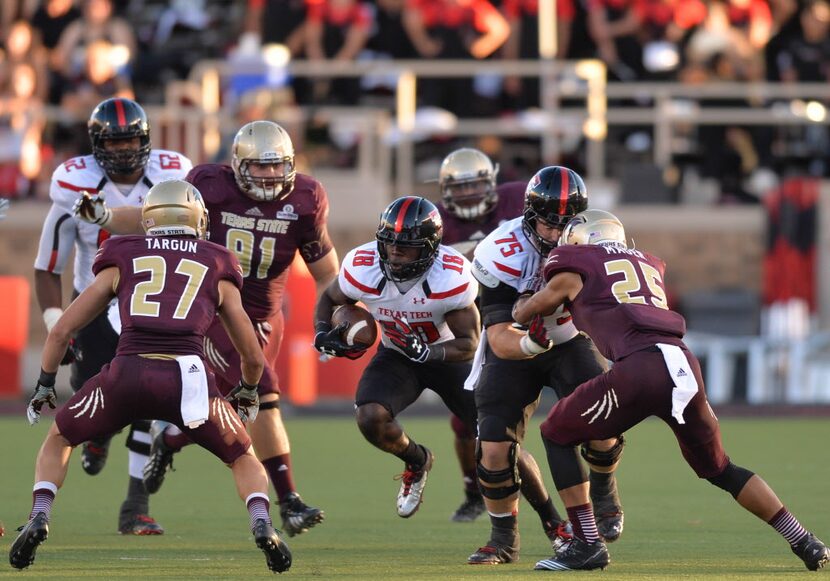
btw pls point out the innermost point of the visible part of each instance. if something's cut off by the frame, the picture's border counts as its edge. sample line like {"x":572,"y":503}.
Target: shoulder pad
{"x":360,"y":273}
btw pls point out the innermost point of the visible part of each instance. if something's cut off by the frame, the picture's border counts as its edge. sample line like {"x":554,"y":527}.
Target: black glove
{"x":409,"y":342}
{"x":535,"y":340}
{"x":44,"y":394}
{"x":328,"y":342}
{"x":247,"y":400}
{"x":72,"y":354}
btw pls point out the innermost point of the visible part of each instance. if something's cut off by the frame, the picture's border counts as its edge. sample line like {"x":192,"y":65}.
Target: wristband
{"x":248,"y":386}
{"x":530,"y":347}
{"x":437,"y":353}
{"x":46,"y":379}
{"x":51,"y":316}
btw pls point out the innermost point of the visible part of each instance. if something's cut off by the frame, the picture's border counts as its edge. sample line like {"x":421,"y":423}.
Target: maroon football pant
{"x":133,"y":388}
{"x":636,"y":387}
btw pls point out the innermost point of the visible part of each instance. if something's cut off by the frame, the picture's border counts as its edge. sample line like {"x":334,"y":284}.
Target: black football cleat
{"x":139,"y":524}
{"x":472,"y":508}
{"x":297,"y":516}
{"x":276,"y":551}
{"x":577,"y":555}
{"x":608,"y":513}
{"x":160,"y":459}
{"x":32,"y":535}
{"x":500,"y":549}
{"x":812,"y":551}
{"x":94,"y":456}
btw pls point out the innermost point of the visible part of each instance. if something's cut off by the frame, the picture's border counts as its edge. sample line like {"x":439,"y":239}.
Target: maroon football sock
{"x":279,"y":471}
{"x":787,"y":526}
{"x":582,"y":520}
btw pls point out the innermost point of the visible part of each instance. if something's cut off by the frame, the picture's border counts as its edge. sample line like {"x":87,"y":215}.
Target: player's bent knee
{"x":732,"y":479}
{"x":371,"y":418}
{"x":606,"y":458}
{"x":566,"y":468}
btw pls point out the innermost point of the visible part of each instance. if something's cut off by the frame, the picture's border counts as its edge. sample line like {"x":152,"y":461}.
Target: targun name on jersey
{"x":171,"y":244}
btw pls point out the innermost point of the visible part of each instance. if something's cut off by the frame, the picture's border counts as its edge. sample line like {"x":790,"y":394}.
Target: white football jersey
{"x":507,"y":256}
{"x":61,"y":230}
{"x":447,"y":286}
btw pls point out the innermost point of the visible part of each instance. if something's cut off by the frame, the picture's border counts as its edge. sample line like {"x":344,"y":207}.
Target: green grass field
{"x":676,"y":526}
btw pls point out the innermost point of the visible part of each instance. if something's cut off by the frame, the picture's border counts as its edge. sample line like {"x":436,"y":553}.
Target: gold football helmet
{"x":265,"y":148}
{"x":467,"y":179}
{"x":594,"y":227}
{"x":174,"y":208}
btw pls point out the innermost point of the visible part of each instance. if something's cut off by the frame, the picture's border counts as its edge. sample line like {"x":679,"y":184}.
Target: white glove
{"x":247,"y":401}
{"x":44,"y":394}
{"x":4,"y":205}
{"x":92,"y":209}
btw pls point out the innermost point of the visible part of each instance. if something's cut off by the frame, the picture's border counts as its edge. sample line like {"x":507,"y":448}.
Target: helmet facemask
{"x":119,"y":119}
{"x":410,"y":222}
{"x":467,"y":179}
{"x":265,"y":144}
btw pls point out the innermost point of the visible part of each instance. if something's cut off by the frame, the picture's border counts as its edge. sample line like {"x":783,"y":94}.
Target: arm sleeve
{"x":56,"y":240}
{"x":497,"y":304}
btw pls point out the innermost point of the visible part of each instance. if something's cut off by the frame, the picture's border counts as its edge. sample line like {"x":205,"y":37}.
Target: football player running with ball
{"x":263,"y":211}
{"x":170,"y":286}
{"x":514,"y":365}
{"x":471,"y":207}
{"x":617,"y":295}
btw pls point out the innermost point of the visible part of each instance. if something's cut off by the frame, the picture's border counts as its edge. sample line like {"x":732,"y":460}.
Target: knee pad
{"x":460,"y":429}
{"x":732,"y":479}
{"x":270,"y":405}
{"x":136,"y":445}
{"x":604,"y":459}
{"x":511,"y":473}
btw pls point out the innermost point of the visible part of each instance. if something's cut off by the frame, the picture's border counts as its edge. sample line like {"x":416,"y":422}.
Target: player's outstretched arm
{"x":241,"y":332}
{"x":563,"y":287}
{"x":93,"y":209}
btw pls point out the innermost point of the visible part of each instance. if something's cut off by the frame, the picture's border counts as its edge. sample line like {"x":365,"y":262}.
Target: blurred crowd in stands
{"x":71,"y":54}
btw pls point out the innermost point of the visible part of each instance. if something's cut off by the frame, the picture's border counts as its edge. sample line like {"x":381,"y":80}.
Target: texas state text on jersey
{"x":447,"y":286}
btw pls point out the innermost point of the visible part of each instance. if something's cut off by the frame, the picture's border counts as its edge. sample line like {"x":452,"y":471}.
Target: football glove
{"x":92,"y":208}
{"x":329,"y":343}
{"x":535,"y":340}
{"x":409,"y":342}
{"x":4,"y":206}
{"x":44,"y":394}
{"x":247,"y":401}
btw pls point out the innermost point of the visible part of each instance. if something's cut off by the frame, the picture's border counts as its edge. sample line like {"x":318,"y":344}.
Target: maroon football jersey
{"x":464,"y":235}
{"x":622,"y":304}
{"x":168,"y":290}
{"x":264,"y":236}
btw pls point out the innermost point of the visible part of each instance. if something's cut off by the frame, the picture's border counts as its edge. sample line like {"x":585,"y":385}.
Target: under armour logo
{"x":193,"y":369}
{"x":681,"y":373}
{"x":418,"y":301}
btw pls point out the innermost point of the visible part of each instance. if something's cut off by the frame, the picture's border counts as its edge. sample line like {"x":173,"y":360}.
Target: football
{"x":362,"y":330}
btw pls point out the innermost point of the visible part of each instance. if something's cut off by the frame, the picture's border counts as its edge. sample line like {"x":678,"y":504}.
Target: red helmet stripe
{"x":402,"y":214}
{"x":564,"y":190}
{"x":119,"y":111}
